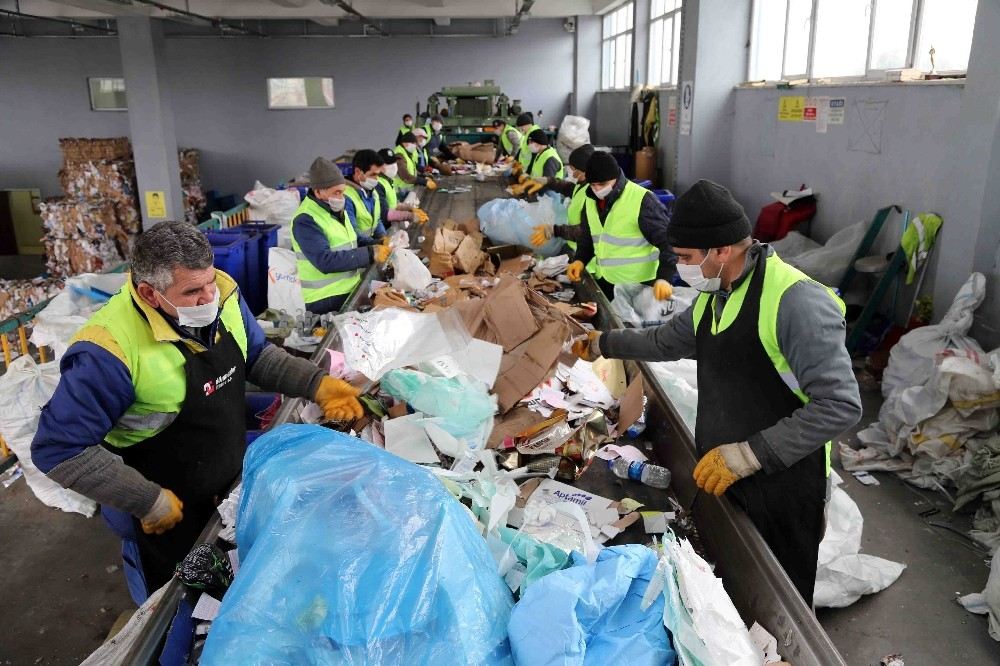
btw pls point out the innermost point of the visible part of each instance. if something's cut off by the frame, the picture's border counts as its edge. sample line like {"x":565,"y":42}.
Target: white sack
{"x":794,"y":244}
{"x":827,"y":264}
{"x":573,"y":133}
{"x":272,"y":206}
{"x":284,"y":291}
{"x":987,"y":602}
{"x":71,"y":308}
{"x":410,"y":274}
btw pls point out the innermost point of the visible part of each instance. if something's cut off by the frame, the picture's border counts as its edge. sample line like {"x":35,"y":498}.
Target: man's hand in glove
{"x":419,"y":216}
{"x":575,"y":271}
{"x":516,"y":168}
{"x":541,"y":234}
{"x":662,"y":290}
{"x":587,"y":348}
{"x":431,"y":185}
{"x":533,"y":186}
{"x":723,"y":466}
{"x":338,"y":399}
{"x":164,"y":515}
{"x":517,"y":189}
{"x":380,"y":253}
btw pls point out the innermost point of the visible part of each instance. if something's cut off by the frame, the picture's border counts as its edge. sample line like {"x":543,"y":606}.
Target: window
{"x":664,"y":42}
{"x":829,"y":39}
{"x":616,"y":48}
{"x":107,"y":94}
{"x":311,"y":92}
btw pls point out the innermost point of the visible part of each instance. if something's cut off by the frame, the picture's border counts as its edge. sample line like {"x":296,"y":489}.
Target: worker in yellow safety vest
{"x":574,"y":187}
{"x":525,"y":125}
{"x":331,"y":255}
{"x":775,"y":381}
{"x":409,"y":176}
{"x":406,"y":127}
{"x":509,"y":139}
{"x":393,"y":210}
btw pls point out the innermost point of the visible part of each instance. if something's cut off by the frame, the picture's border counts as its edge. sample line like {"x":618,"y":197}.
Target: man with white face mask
{"x":364,"y":205}
{"x":148,"y":418}
{"x":331,"y":254}
{"x":624,"y":232}
{"x":775,"y":383}
{"x":392,"y":209}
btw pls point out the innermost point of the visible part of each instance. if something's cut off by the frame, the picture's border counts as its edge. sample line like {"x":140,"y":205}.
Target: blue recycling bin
{"x":230,"y":250}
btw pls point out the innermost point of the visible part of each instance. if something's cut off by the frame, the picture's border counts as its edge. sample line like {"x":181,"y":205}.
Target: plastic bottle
{"x":652,"y":475}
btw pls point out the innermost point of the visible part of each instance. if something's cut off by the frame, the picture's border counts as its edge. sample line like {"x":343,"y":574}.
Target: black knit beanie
{"x":579,"y":157}
{"x":602,"y":167}
{"x":707,"y":216}
{"x":539,"y":137}
{"x":525,"y":119}
{"x":409,"y":137}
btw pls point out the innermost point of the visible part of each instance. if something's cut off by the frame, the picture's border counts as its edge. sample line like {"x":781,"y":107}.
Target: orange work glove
{"x":338,"y":400}
{"x":725,"y":465}
{"x":164,"y":515}
{"x":517,"y":189}
{"x":516,"y":168}
{"x":541,"y":234}
{"x":533,"y":186}
{"x":419,"y":216}
{"x":586,"y":348}
{"x":380,"y":253}
{"x":662,"y":290}
{"x":575,"y":271}
{"x":431,"y":185}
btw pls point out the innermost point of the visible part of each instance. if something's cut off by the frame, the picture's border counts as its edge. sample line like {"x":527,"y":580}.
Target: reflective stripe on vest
{"x":317,"y":285}
{"x":525,"y":155}
{"x":365,"y":221}
{"x":155,"y":365}
{"x":411,"y":166}
{"x":622,"y":253}
{"x":778,"y":278}
{"x":505,"y":141}
{"x":537,"y":167}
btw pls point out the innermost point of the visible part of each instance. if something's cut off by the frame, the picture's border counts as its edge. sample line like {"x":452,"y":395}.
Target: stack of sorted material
{"x":82,"y":236}
{"x":194,"y":197}
{"x":20,"y":295}
{"x":102,"y":169}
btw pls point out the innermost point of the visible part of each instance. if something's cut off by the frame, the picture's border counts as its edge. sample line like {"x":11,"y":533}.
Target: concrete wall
{"x":219,"y":95}
{"x":916,"y":131}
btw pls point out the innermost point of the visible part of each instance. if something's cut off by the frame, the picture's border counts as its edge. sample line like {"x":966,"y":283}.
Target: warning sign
{"x":791,"y":109}
{"x":156,"y":204}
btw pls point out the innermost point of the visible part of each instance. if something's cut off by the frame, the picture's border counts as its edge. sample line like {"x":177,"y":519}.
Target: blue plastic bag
{"x":351,"y":555}
{"x":513,"y":221}
{"x":590,"y":614}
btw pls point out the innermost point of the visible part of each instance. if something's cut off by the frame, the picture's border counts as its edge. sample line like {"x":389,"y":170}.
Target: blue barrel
{"x":230,"y":250}
{"x":666,"y":198}
{"x":265,"y":236}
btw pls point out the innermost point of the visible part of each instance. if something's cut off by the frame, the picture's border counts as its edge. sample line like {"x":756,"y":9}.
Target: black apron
{"x":740,"y":393}
{"x":198,"y":456}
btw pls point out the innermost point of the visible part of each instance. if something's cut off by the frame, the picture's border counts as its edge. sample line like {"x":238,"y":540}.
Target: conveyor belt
{"x":752,"y":576}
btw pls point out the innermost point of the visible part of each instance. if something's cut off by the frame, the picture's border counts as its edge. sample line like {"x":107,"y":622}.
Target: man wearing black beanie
{"x":775,"y":382}
{"x":623,"y":230}
{"x":574,"y":188}
{"x":526,"y":125}
{"x":545,"y":161}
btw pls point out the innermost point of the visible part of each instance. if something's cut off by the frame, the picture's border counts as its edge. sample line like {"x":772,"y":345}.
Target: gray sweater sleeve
{"x":103,"y":477}
{"x":277,"y":370}
{"x":811,"y":333}
{"x":668,"y":342}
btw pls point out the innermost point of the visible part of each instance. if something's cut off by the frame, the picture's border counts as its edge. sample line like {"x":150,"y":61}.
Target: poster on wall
{"x":672,"y":111}
{"x":791,"y":109}
{"x":687,"y":98}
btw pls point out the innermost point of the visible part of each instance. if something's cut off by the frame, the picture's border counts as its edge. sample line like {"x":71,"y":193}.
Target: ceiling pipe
{"x":515,"y":23}
{"x":215,"y":22}
{"x":74,"y":24}
{"x":367,"y":22}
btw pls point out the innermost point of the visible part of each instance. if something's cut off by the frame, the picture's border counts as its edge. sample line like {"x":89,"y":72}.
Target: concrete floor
{"x":59,"y":600}
{"x":916,"y":616}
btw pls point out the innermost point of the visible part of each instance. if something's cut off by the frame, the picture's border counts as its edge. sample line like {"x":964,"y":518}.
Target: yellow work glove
{"x":521,"y":179}
{"x":431,"y":185}
{"x":662,"y":290}
{"x":575,"y":271}
{"x":419,"y":216}
{"x":517,"y":189}
{"x":164,"y":515}
{"x":533,"y":186}
{"x":586,"y":348}
{"x":338,"y":400}
{"x":541,"y":234}
{"x":380,"y":253}
{"x":516,"y":168}
{"x":723,"y":466}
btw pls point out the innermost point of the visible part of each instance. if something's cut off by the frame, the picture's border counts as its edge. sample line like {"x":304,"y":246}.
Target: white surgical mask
{"x":534,"y":148}
{"x":436,"y":127}
{"x":571,"y":176}
{"x":409,"y":147}
{"x":369,"y":183}
{"x":603,"y":192}
{"x":196,"y":316}
{"x":336,"y":205}
{"x":694,"y":276}
{"x":408,"y":123}
{"x":421,"y":142}
{"x":391,"y":170}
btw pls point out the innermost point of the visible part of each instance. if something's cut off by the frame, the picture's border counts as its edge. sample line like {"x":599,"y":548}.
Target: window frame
{"x":272,"y":107}
{"x":629,"y":34}
{"x":90,"y":93}
{"x":676,"y":15}
{"x":913,"y":39}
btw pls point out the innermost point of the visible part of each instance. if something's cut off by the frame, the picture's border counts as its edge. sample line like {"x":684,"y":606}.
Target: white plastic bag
{"x":828,"y":264}
{"x":24,"y":389}
{"x":794,"y":244}
{"x":272,"y":206}
{"x":636,"y":304}
{"x":573,"y":133}
{"x":410,"y":274}
{"x":284,"y":291}
{"x":70,"y":309}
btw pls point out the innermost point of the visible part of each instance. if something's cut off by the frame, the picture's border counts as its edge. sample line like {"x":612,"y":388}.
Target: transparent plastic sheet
{"x":827,"y":264}
{"x":679,"y":380}
{"x":409,"y":273}
{"x":381,"y":340}
{"x":591,"y":614}
{"x":463,"y":407}
{"x":513,"y":221}
{"x":84,"y":294}
{"x":350,"y":555}
{"x":636,"y":304}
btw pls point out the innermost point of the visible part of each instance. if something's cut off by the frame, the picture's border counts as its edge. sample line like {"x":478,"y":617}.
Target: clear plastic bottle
{"x":652,"y":475}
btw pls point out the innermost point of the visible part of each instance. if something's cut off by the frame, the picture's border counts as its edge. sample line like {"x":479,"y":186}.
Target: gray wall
{"x":220,"y":104}
{"x":917,"y":130}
